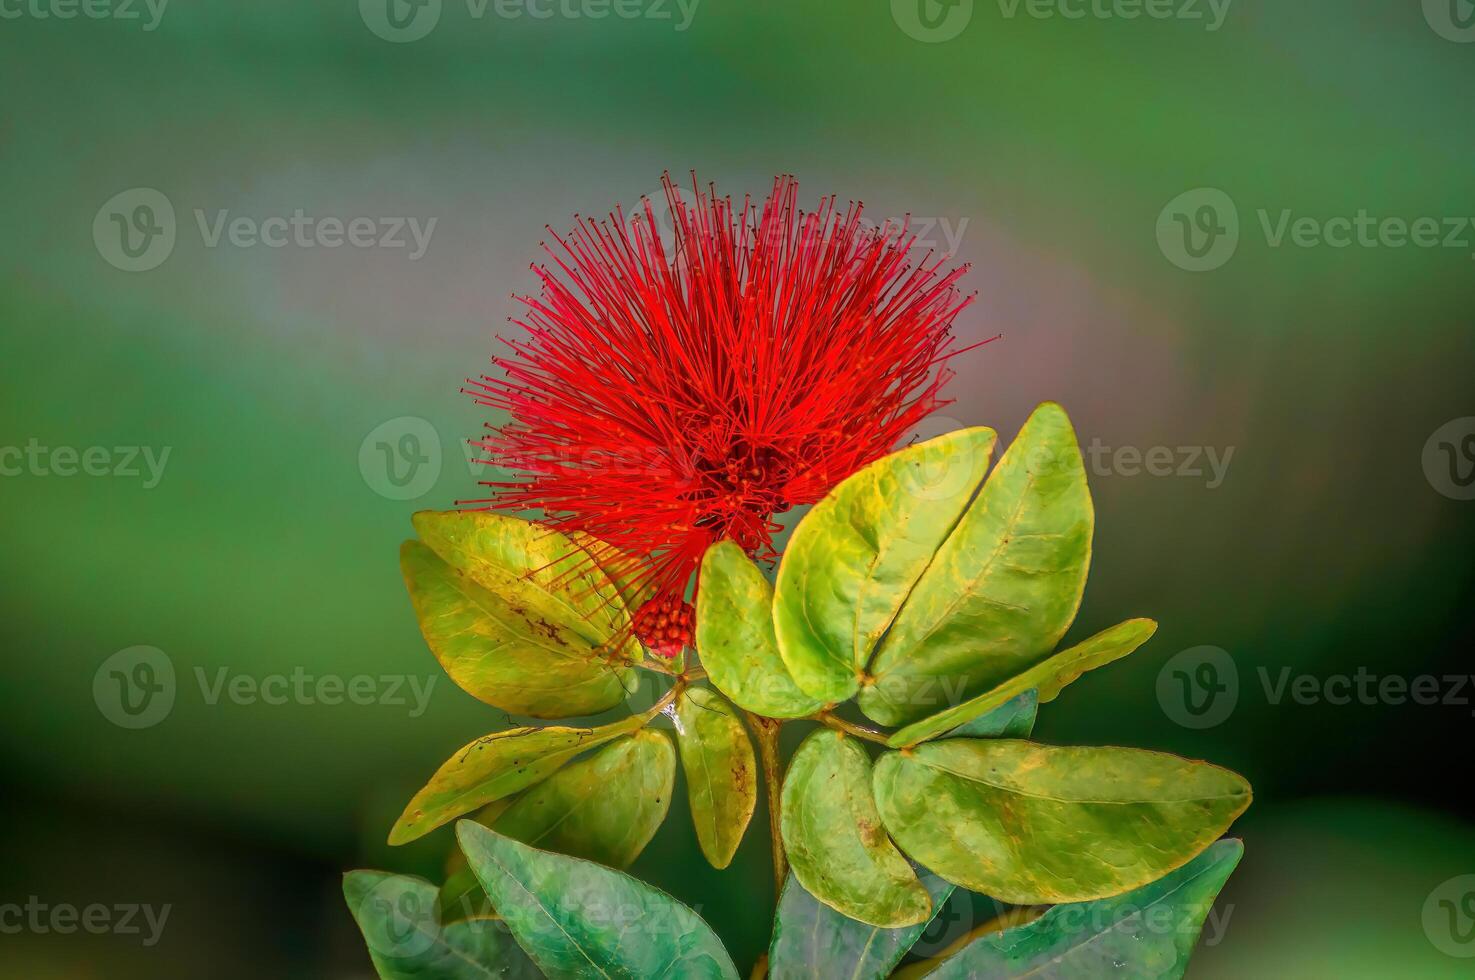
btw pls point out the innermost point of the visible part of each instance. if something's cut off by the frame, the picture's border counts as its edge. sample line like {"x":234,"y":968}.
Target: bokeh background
{"x":1050,"y":152}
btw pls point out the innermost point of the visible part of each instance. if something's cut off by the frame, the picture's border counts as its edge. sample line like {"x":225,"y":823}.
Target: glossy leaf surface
{"x":577,"y":919}
{"x":1034,"y":824}
{"x":1002,"y":589}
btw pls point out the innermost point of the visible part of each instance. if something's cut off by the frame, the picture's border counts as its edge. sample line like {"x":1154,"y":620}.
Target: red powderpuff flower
{"x":672,"y":393}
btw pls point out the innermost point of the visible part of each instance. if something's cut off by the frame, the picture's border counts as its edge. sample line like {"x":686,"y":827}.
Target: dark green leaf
{"x":1014,"y":718}
{"x":1034,"y":824}
{"x":1003,"y":588}
{"x":735,"y":636}
{"x":854,"y":558}
{"x":721,"y":772}
{"x":837,"y":845}
{"x":578,"y":919}
{"x":498,"y":649}
{"x":407,"y":942}
{"x":1047,"y":678}
{"x":810,"y":939}
{"x":1149,"y":932}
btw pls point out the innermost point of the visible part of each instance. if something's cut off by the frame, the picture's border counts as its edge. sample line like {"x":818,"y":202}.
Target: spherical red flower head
{"x":667,"y":394}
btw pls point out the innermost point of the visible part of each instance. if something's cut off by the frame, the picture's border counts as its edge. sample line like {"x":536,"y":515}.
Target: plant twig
{"x":766,"y":730}
{"x":850,"y":728}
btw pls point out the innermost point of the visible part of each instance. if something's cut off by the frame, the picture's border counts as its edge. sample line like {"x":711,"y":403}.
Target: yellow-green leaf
{"x":499,"y":650}
{"x":499,"y":765}
{"x":854,"y":558}
{"x":734,"y":636}
{"x":605,"y":807}
{"x":1002,"y":590}
{"x":1048,"y":677}
{"x":551,"y":575}
{"x":721,"y":771}
{"x":1035,"y":824}
{"x":836,"y":842}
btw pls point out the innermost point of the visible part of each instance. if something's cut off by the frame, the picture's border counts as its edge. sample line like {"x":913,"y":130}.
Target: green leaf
{"x":734,"y":636}
{"x":499,"y":650}
{"x":406,"y":940}
{"x":1002,"y":590}
{"x":721,"y":771}
{"x":837,"y":845}
{"x":499,"y":765}
{"x":1014,"y":718}
{"x":605,"y":808}
{"x":854,"y":558}
{"x":1035,"y":824}
{"x":578,"y":919}
{"x":532,"y":565}
{"x":810,"y":939}
{"x":1149,"y":932}
{"x":621,"y":569}
{"x":1047,"y":677}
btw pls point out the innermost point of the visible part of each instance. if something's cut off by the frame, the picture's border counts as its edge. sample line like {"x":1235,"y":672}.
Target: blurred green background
{"x":1044,"y":150}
